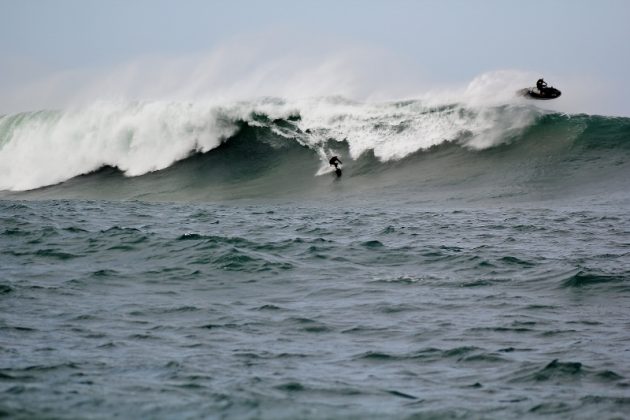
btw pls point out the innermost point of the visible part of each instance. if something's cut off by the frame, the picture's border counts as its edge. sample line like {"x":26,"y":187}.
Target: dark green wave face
{"x":440,"y":153}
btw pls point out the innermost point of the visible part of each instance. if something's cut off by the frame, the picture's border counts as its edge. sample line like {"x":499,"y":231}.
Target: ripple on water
{"x":55,"y":254}
{"x":556,"y":371}
{"x":5,"y":289}
{"x":372,"y":244}
{"x":584,"y":279}
{"x":238,"y":260}
{"x":549,"y":408}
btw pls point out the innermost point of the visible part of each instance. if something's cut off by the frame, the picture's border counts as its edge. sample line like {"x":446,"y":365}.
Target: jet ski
{"x":544,"y":93}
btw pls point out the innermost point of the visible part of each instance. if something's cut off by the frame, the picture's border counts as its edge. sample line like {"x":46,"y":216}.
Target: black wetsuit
{"x":541,"y":85}
{"x":334,"y":161}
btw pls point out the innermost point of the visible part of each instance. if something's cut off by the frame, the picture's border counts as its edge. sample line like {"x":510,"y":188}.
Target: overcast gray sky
{"x":447,"y":41}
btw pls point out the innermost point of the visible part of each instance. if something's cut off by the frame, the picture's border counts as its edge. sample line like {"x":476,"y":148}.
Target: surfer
{"x":541,"y":84}
{"x":334,"y":161}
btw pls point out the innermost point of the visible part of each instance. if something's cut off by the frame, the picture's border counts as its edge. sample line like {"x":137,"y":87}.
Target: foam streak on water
{"x":186,"y":310}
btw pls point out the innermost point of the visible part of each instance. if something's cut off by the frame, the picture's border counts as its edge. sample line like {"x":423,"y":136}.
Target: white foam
{"x":136,"y":138}
{"x":140,"y":137}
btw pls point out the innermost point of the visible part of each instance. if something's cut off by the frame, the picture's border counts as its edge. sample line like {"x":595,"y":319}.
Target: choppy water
{"x":161,"y":310}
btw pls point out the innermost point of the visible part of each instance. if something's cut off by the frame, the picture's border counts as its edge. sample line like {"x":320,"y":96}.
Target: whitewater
{"x":49,"y":147}
{"x":199,"y":258}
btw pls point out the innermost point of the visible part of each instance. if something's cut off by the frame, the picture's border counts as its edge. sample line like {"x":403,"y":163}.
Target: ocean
{"x":193,"y":260}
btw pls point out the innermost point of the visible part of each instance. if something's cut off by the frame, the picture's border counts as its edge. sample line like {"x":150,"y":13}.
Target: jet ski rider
{"x":541,"y":85}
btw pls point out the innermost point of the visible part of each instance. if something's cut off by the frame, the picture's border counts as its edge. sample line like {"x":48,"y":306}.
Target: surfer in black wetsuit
{"x":334,"y":161}
{"x":541,"y":85}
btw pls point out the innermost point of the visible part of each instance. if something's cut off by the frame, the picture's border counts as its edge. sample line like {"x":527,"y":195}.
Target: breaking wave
{"x":240,"y":141}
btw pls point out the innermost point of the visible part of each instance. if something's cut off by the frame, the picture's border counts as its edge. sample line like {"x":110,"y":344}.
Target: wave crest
{"x":48,"y":147}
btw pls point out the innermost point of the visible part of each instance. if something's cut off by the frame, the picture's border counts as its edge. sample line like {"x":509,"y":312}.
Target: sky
{"x":55,"y":52}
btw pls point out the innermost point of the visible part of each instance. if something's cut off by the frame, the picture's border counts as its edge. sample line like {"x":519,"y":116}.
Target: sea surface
{"x":186,"y":260}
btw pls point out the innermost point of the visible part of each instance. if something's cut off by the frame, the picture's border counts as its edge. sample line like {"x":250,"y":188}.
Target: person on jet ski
{"x":541,"y":85}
